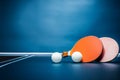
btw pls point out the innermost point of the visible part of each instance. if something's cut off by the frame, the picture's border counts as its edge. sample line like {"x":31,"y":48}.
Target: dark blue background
{"x":55,"y":25}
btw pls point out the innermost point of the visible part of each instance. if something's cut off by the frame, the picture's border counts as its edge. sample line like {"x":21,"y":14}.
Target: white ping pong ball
{"x":76,"y":56}
{"x":56,"y":57}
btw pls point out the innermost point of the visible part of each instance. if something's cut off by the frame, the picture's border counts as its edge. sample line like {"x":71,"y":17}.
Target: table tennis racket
{"x":110,"y":49}
{"x":90,"y":47}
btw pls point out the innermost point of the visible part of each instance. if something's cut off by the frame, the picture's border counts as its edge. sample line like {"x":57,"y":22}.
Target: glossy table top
{"x":42,"y":68}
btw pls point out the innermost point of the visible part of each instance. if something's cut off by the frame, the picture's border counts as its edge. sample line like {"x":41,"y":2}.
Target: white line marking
{"x":25,"y":53}
{"x":11,"y":60}
{"x":16,"y":61}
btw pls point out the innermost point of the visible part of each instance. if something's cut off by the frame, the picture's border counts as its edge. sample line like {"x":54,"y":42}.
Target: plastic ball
{"x":56,"y":57}
{"x":76,"y":56}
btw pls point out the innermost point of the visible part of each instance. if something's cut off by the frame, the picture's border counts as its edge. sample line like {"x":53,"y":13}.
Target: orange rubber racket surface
{"x":90,"y":47}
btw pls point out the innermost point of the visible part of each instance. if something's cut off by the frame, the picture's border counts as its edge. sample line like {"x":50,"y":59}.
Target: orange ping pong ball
{"x":90,"y":47}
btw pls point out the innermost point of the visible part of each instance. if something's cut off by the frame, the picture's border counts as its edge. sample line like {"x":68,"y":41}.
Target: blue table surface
{"x":42,"y":68}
